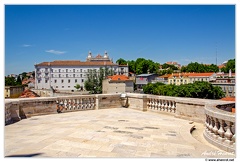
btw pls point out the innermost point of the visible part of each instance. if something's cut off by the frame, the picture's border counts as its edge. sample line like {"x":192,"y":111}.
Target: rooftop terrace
{"x":113,"y":126}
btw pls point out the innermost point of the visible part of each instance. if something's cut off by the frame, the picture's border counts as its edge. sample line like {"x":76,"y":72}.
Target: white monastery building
{"x":65,"y":74}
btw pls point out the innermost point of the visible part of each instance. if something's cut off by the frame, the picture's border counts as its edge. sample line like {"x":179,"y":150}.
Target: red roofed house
{"x":117,"y":84}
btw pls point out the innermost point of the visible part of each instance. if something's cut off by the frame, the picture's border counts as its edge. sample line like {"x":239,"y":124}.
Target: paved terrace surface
{"x":115,"y":132}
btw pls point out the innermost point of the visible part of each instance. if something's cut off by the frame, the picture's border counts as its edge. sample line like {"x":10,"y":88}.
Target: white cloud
{"x":55,"y":52}
{"x":26,"y":45}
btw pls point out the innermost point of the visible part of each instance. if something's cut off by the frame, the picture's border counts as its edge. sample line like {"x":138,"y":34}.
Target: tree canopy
{"x":230,"y":65}
{"x":95,"y":78}
{"x":199,"y":68}
{"x":193,"y":90}
{"x":140,"y":66}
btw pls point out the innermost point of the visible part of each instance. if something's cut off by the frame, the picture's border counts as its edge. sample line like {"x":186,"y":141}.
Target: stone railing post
{"x":145,"y":101}
{"x":97,"y":102}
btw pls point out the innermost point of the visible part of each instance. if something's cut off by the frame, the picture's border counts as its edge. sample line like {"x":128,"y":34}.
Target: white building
{"x":64,"y":75}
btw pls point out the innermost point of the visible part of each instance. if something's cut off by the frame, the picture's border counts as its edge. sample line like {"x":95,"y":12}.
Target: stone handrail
{"x":220,"y":128}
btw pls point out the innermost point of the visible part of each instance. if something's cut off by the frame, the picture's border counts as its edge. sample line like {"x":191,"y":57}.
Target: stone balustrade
{"x":72,"y":103}
{"x":164,"y":105}
{"x":220,"y":124}
{"x":220,"y":128}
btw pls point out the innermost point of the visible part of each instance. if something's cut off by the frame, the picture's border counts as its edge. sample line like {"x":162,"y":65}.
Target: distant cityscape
{"x":119,"y":77}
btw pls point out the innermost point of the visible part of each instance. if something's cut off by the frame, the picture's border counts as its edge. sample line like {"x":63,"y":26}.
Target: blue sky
{"x":182,"y":33}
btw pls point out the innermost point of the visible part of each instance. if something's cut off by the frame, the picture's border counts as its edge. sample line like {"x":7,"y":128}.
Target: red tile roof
{"x":118,"y":77}
{"x":221,"y":66}
{"x":228,"y":99}
{"x":191,"y":74}
{"x":98,"y":56}
{"x":76,"y":63}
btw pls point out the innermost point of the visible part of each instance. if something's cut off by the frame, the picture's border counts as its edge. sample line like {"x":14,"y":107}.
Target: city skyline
{"x":181,"y":33}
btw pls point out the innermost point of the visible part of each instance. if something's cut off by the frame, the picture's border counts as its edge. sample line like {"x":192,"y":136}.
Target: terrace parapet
{"x":220,"y":127}
{"x":220,"y":124}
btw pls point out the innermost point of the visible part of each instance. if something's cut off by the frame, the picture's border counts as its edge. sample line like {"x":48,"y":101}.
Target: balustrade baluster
{"x":78,"y":103}
{"x":215,"y":128}
{"x":82,"y":106}
{"x":70,"y":104}
{"x":211,"y":125}
{"x":65,"y":104}
{"x":173,"y":106}
{"x":74,"y":104}
{"x":208,"y":123}
{"x":94,"y":103}
{"x":166,"y":106}
{"x":83,"y":103}
{"x":169,"y":106}
{"x":153,"y":103}
{"x":89,"y":103}
{"x":228,"y":134}
{"x":159,"y":105}
{"x":156,"y":104}
{"x":221,"y":130}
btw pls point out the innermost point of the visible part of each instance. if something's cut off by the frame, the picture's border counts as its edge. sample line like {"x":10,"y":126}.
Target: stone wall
{"x":106,"y":101}
{"x":185,"y":108}
{"x":192,"y":109}
{"x":20,"y":108}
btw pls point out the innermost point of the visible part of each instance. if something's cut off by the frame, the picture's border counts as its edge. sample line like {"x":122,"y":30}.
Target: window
{"x":62,"y":86}
{"x":66,"y":70}
{"x":39,"y":81}
{"x":68,"y":86}
{"x":82,"y":80}
{"x":81,"y":75}
{"x":75,"y":80}
{"x":52,"y":75}
{"x":46,"y":81}
{"x":73,"y":75}
{"x":74,"y":70}
{"x":62,"y":80}
{"x":66,"y":75}
{"x":56,"y":86}
{"x":69,"y":80}
{"x":55,"y":81}
{"x":59,"y":70}
{"x":80,"y":70}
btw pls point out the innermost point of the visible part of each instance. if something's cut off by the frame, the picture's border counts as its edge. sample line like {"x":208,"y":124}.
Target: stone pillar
{"x":145,"y":100}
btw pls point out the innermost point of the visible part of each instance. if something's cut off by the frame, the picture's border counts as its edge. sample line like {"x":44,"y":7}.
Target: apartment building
{"x":185,"y":78}
{"x":65,"y":74}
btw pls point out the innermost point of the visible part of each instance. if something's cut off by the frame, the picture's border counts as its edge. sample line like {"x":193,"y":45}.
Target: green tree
{"x":230,"y":65}
{"x":121,"y":61}
{"x":10,"y":81}
{"x":19,"y":80}
{"x":77,"y":86}
{"x":95,"y":78}
{"x":199,"y":68}
{"x":131,"y":66}
{"x":194,"y":90}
